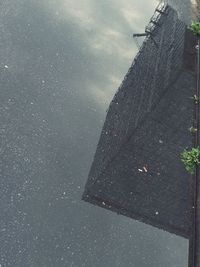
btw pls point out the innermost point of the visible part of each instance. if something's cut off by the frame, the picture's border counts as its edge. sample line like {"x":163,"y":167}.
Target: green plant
{"x":191,"y":158}
{"x":195,"y":27}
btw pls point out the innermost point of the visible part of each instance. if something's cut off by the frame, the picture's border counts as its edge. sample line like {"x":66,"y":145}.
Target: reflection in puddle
{"x":67,"y":58}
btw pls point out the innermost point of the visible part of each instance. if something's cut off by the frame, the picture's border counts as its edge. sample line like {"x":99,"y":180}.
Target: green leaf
{"x":191,"y":158}
{"x":195,"y":27}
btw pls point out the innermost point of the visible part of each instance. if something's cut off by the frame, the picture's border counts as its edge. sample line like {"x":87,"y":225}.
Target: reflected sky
{"x":61,"y":62}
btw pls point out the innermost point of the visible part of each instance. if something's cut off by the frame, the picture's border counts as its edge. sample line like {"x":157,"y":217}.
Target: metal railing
{"x":160,"y":10}
{"x":154,"y":22}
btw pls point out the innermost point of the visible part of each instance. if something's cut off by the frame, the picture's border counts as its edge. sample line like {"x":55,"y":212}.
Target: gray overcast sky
{"x":61,"y":62}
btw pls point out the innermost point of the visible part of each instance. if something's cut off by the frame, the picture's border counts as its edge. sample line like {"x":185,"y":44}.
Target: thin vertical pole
{"x":198,"y":94}
{"x":194,"y":244}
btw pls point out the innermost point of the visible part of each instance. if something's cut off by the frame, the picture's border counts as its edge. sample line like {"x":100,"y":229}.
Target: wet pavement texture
{"x":60,"y":64}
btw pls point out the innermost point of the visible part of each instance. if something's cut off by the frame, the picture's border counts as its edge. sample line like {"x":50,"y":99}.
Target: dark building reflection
{"x":137,"y":170}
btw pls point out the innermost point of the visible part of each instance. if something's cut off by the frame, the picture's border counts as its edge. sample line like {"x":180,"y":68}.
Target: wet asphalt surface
{"x":60,"y":65}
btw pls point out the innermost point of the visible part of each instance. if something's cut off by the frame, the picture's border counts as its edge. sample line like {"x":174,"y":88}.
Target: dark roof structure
{"x":137,"y":171}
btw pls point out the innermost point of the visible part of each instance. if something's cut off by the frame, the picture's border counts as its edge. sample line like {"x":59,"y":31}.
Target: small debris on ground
{"x":145,"y":169}
{"x":193,"y":129}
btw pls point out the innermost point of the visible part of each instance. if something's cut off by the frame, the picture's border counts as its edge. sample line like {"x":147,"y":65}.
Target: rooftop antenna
{"x":136,"y":35}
